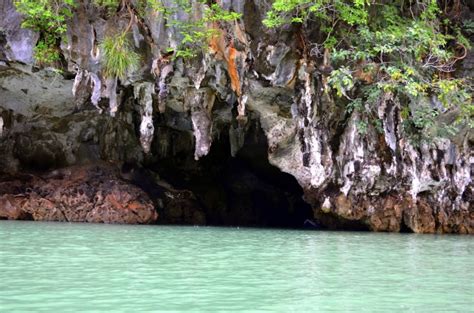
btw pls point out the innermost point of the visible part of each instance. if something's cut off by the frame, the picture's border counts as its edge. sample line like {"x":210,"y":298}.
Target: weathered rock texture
{"x":256,"y":88}
{"x":76,"y":194}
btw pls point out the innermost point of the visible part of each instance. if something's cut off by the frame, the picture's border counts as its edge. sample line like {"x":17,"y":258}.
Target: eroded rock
{"x":250,"y":77}
{"x":76,"y":194}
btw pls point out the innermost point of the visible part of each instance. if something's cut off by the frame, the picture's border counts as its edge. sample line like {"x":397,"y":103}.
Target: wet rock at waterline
{"x":252,"y":97}
{"x":92,"y":193}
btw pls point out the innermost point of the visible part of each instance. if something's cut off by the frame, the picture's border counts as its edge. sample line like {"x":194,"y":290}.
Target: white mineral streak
{"x":84,"y":76}
{"x":242,"y":105}
{"x":96,"y":85}
{"x":462,"y":177}
{"x":370,"y":172}
{"x":95,"y":51}
{"x":155,"y":67}
{"x":316,"y":167}
{"x":1,"y":126}
{"x":460,"y":174}
{"x":392,"y":170}
{"x":326,"y":207}
{"x":354,"y":147}
{"x":313,"y":135}
{"x":111,"y":93}
{"x":359,"y":171}
{"x":201,"y":73}
{"x":412,"y":171}
{"x":347,"y":170}
{"x":270,"y":53}
{"x":387,"y":115}
{"x":306,"y":160}
{"x":77,"y":81}
{"x":420,"y":176}
{"x":421,"y":164}
{"x":201,"y":104}
{"x":162,"y":86}
{"x":200,"y":149}
{"x":242,"y":67}
{"x":143,"y":93}
{"x":442,"y":145}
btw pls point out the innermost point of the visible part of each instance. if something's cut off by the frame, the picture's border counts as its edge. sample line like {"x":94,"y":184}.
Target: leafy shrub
{"x":48,"y":17}
{"x":400,"y":47}
{"x":195,"y":33}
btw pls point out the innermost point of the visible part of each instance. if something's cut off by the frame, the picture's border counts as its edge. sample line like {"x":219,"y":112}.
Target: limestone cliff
{"x":253,"y":95}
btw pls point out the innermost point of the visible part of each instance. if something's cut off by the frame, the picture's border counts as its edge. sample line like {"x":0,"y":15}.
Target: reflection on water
{"x":54,"y":267}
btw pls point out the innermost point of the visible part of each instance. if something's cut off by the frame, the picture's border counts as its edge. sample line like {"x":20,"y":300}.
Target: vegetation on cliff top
{"x":49,"y":18}
{"x":408,"y":50}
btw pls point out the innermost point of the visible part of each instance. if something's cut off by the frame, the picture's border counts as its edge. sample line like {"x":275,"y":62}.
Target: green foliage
{"x":468,"y":26}
{"x":110,"y":5}
{"x":46,"y":51}
{"x":405,"y":48}
{"x":118,"y":56}
{"x":301,"y":11}
{"x":342,"y":81}
{"x":45,"y":15}
{"x":140,"y":6}
{"x":48,"y":17}
{"x":195,"y":32}
{"x":362,"y":127}
{"x":390,"y":47}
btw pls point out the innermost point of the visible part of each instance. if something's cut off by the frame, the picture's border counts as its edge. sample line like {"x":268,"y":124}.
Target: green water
{"x":54,"y":267}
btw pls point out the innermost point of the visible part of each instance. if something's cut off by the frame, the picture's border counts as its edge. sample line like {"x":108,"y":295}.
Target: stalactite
{"x":200,"y":104}
{"x":236,"y":138}
{"x":162,"y":68}
{"x":143,"y":93}
{"x":80,"y":84}
{"x":1,"y":126}
{"x":77,"y":81}
{"x":311,"y":134}
{"x":111,"y":93}
{"x":96,"y":85}
{"x":237,"y":62}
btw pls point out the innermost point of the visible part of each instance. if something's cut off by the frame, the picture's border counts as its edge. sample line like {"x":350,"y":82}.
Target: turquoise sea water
{"x":55,"y":267}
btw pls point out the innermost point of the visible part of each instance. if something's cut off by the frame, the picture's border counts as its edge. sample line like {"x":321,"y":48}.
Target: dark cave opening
{"x":245,"y":190}
{"x":404,"y":228}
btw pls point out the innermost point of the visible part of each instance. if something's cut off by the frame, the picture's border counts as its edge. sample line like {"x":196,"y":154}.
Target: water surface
{"x":60,"y":267}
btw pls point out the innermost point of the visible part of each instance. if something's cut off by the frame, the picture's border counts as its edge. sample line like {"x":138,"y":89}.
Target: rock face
{"x":253,"y":96}
{"x":76,"y":194}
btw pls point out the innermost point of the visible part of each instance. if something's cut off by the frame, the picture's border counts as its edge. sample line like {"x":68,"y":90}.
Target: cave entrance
{"x":245,"y":190}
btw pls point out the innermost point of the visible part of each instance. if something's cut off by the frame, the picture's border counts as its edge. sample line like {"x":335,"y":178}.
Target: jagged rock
{"x":16,"y":44}
{"x":251,"y":81}
{"x":30,"y":93}
{"x":76,"y":194}
{"x":182,"y":207}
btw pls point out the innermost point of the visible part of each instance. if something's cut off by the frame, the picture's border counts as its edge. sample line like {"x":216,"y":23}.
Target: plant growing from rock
{"x":47,"y":17}
{"x":408,"y":49}
{"x":118,"y":56}
{"x":195,"y":32}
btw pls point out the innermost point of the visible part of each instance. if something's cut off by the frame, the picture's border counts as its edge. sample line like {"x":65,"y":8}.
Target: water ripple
{"x":54,"y":267}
